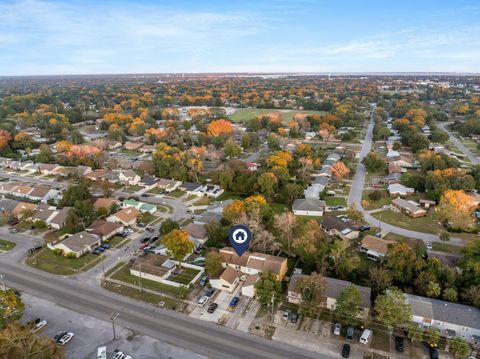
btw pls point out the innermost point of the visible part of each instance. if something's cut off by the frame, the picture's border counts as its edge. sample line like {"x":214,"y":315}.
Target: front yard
{"x":118,"y":241}
{"x":176,"y":194}
{"x":133,"y":189}
{"x":335,"y":201}
{"x":369,"y":204}
{"x":47,"y":261}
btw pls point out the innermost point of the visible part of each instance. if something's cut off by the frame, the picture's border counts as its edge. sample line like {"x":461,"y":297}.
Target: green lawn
{"x":147,"y":217}
{"x":278,"y":208}
{"x":335,"y":201}
{"x":125,"y":276}
{"x":6,"y":245}
{"x":205,"y":201}
{"x":145,"y":297}
{"x":118,"y":241}
{"x":446,"y":247}
{"x":156,"y":190}
{"x":47,"y":261}
{"x":176,"y":194}
{"x":229,"y":195}
{"x":185,"y":277}
{"x":384,"y":200}
{"x":135,"y":188}
{"x":248,"y":113}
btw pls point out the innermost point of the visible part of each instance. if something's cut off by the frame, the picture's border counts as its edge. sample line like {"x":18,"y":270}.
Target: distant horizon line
{"x":273,"y":73}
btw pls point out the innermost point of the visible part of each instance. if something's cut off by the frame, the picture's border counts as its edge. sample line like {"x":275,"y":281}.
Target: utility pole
{"x":112,"y":318}
{"x":3,"y":281}
{"x":273,"y":306}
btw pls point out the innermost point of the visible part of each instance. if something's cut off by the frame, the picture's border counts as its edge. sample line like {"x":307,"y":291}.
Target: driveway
{"x":356,"y":190}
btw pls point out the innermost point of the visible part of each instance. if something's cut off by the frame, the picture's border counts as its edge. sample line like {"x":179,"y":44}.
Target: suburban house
{"x":126,"y":216}
{"x":42,"y":193}
{"x":191,"y":188}
{"x":196,"y":233}
{"x":105,"y":202}
{"x":129,"y":177}
{"x":410,"y":208}
{"x":403,"y":162}
{"x":104,"y":229}
{"x":336,"y":227}
{"x":47,"y":168}
{"x":96,"y":175}
{"x":212,"y":190}
{"x":132,"y":146}
{"x":426,"y":203}
{"x":141,"y":206}
{"x":375,"y":248}
{"x":248,"y":287}
{"x":227,"y":280}
{"x":79,"y":243}
{"x":399,"y":190}
{"x":23,"y":209}
{"x":254,"y":263}
{"x":43,"y":213}
{"x":8,"y":205}
{"x":168,"y":185}
{"x":58,"y":221}
{"x":309,"y":207}
{"x":392,"y":154}
{"x":331,"y":292}
{"x":395,"y":168}
{"x":148,"y":182}
{"x":160,"y":268}
{"x":451,"y":319}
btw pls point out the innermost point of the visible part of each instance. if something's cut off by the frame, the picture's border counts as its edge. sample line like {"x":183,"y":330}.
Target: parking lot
{"x":90,"y":333}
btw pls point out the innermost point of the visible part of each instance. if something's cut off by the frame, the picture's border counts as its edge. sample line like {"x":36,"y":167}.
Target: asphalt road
{"x":208,"y":339}
{"x":474,"y":159}
{"x":355,"y":197}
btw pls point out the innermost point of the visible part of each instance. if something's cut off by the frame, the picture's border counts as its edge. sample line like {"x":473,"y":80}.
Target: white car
{"x":202,"y":301}
{"x":119,"y":355}
{"x":65,"y":339}
{"x":429,"y":246}
{"x":128,"y":357}
{"x":39,"y":326}
{"x":337,"y":329}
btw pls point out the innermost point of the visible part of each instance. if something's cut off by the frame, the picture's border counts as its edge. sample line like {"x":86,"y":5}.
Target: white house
{"x":308,"y":207}
{"x":227,"y":280}
{"x":129,"y":177}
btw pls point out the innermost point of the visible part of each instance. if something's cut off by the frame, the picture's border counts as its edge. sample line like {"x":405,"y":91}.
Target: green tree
{"x":415,"y":333}
{"x":168,"y":225}
{"x":75,"y":193}
{"x":431,"y":336}
{"x":354,"y":214}
{"x":444,"y":236}
{"x":403,"y":262}
{"x":80,"y":216}
{"x":379,"y":279}
{"x":11,"y":306}
{"x":268,"y":184}
{"x":391,"y":309}
{"x":343,"y":262}
{"x":292,"y":191}
{"x":458,"y":347}
{"x":45,"y":155}
{"x":18,"y":342}
{"x":268,"y":289}
{"x":348,"y":305}
{"x":178,"y":244}
{"x":216,"y":233}
{"x":231,"y":149}
{"x":373,"y":162}
{"x":312,"y":289}
{"x":450,"y":294}
{"x":213,"y":263}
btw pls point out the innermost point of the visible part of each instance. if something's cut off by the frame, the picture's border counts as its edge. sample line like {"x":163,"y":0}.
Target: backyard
{"x":48,"y":261}
{"x":184,"y":275}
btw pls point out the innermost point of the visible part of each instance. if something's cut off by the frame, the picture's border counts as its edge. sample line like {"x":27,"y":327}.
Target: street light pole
{"x":112,"y":318}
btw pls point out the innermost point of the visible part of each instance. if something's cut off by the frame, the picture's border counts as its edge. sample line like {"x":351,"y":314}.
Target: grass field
{"x":133,"y":189}
{"x":118,"y":241}
{"x":6,"y":245}
{"x":248,"y":113}
{"x":335,"y":201}
{"x":176,"y":194}
{"x":185,"y":277}
{"x":47,"y":261}
{"x":416,"y":244}
{"x":384,"y":200}
{"x":205,"y":201}
{"x":446,"y":247}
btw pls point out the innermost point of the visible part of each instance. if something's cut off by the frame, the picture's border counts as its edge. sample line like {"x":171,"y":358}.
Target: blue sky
{"x":40,"y":37}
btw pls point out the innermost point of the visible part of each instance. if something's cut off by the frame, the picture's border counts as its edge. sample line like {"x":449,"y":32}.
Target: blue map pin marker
{"x":240,"y":237}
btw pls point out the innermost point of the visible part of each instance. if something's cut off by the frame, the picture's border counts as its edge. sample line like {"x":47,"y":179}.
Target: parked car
{"x":150,"y":229}
{"x":65,"y":339}
{"x":294,"y":318}
{"x":153,"y":238}
{"x":433,"y":353}
{"x":101,"y":249}
{"x":337,"y":329}
{"x":118,"y":354}
{"x":34,"y":249}
{"x":203,"y":281}
{"x":39,"y":325}
{"x":96,"y":252}
{"x":366,"y":337}
{"x":144,"y":195}
{"x":105,"y":245}
{"x":210,"y":292}
{"x":429,"y":246}
{"x":364,"y":228}
{"x":144,"y":239}
{"x":141,"y":224}
{"x":234,"y":302}
{"x":350,"y":333}
{"x":346,"y":351}
{"x":201,"y":302}
{"x":399,"y":344}
{"x":59,"y":335}
{"x":286,"y":315}
{"x":13,"y":230}
{"x":212,"y":307}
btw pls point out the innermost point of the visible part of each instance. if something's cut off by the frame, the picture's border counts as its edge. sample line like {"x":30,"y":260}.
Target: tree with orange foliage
{"x":23,"y":140}
{"x":220,"y":127}
{"x":456,"y":208}
{"x":5,"y":138}
{"x":233,"y":210}
{"x":339,"y":170}
{"x":63,"y":146}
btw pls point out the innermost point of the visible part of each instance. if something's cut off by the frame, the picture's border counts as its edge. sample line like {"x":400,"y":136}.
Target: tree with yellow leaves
{"x":178,"y":244}
{"x":220,"y":127}
{"x":456,"y":208}
{"x":339,"y":170}
{"x":5,"y":138}
{"x":63,"y":146}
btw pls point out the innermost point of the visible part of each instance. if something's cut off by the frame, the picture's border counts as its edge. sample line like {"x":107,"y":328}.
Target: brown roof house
{"x":127,"y":216}
{"x":104,"y":229}
{"x":23,"y":209}
{"x":132,"y":146}
{"x":105,"y":203}
{"x":196,"y":233}
{"x":79,"y":243}
{"x":409,"y":208}
{"x":227,"y":280}
{"x":374,"y":248}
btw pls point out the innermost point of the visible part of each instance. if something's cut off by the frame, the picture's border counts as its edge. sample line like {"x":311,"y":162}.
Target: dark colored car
{"x":106,"y":245}
{"x":433,"y":353}
{"x":153,"y":239}
{"x":350,"y":333}
{"x":144,"y":195}
{"x":364,"y":228}
{"x":294,"y":318}
{"x":212,"y":307}
{"x":399,"y":344}
{"x":145,"y":239}
{"x":150,"y":229}
{"x":210,"y":292}
{"x":234,"y":302}
{"x":59,"y":335}
{"x":141,"y":224}
{"x":346,"y":351}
